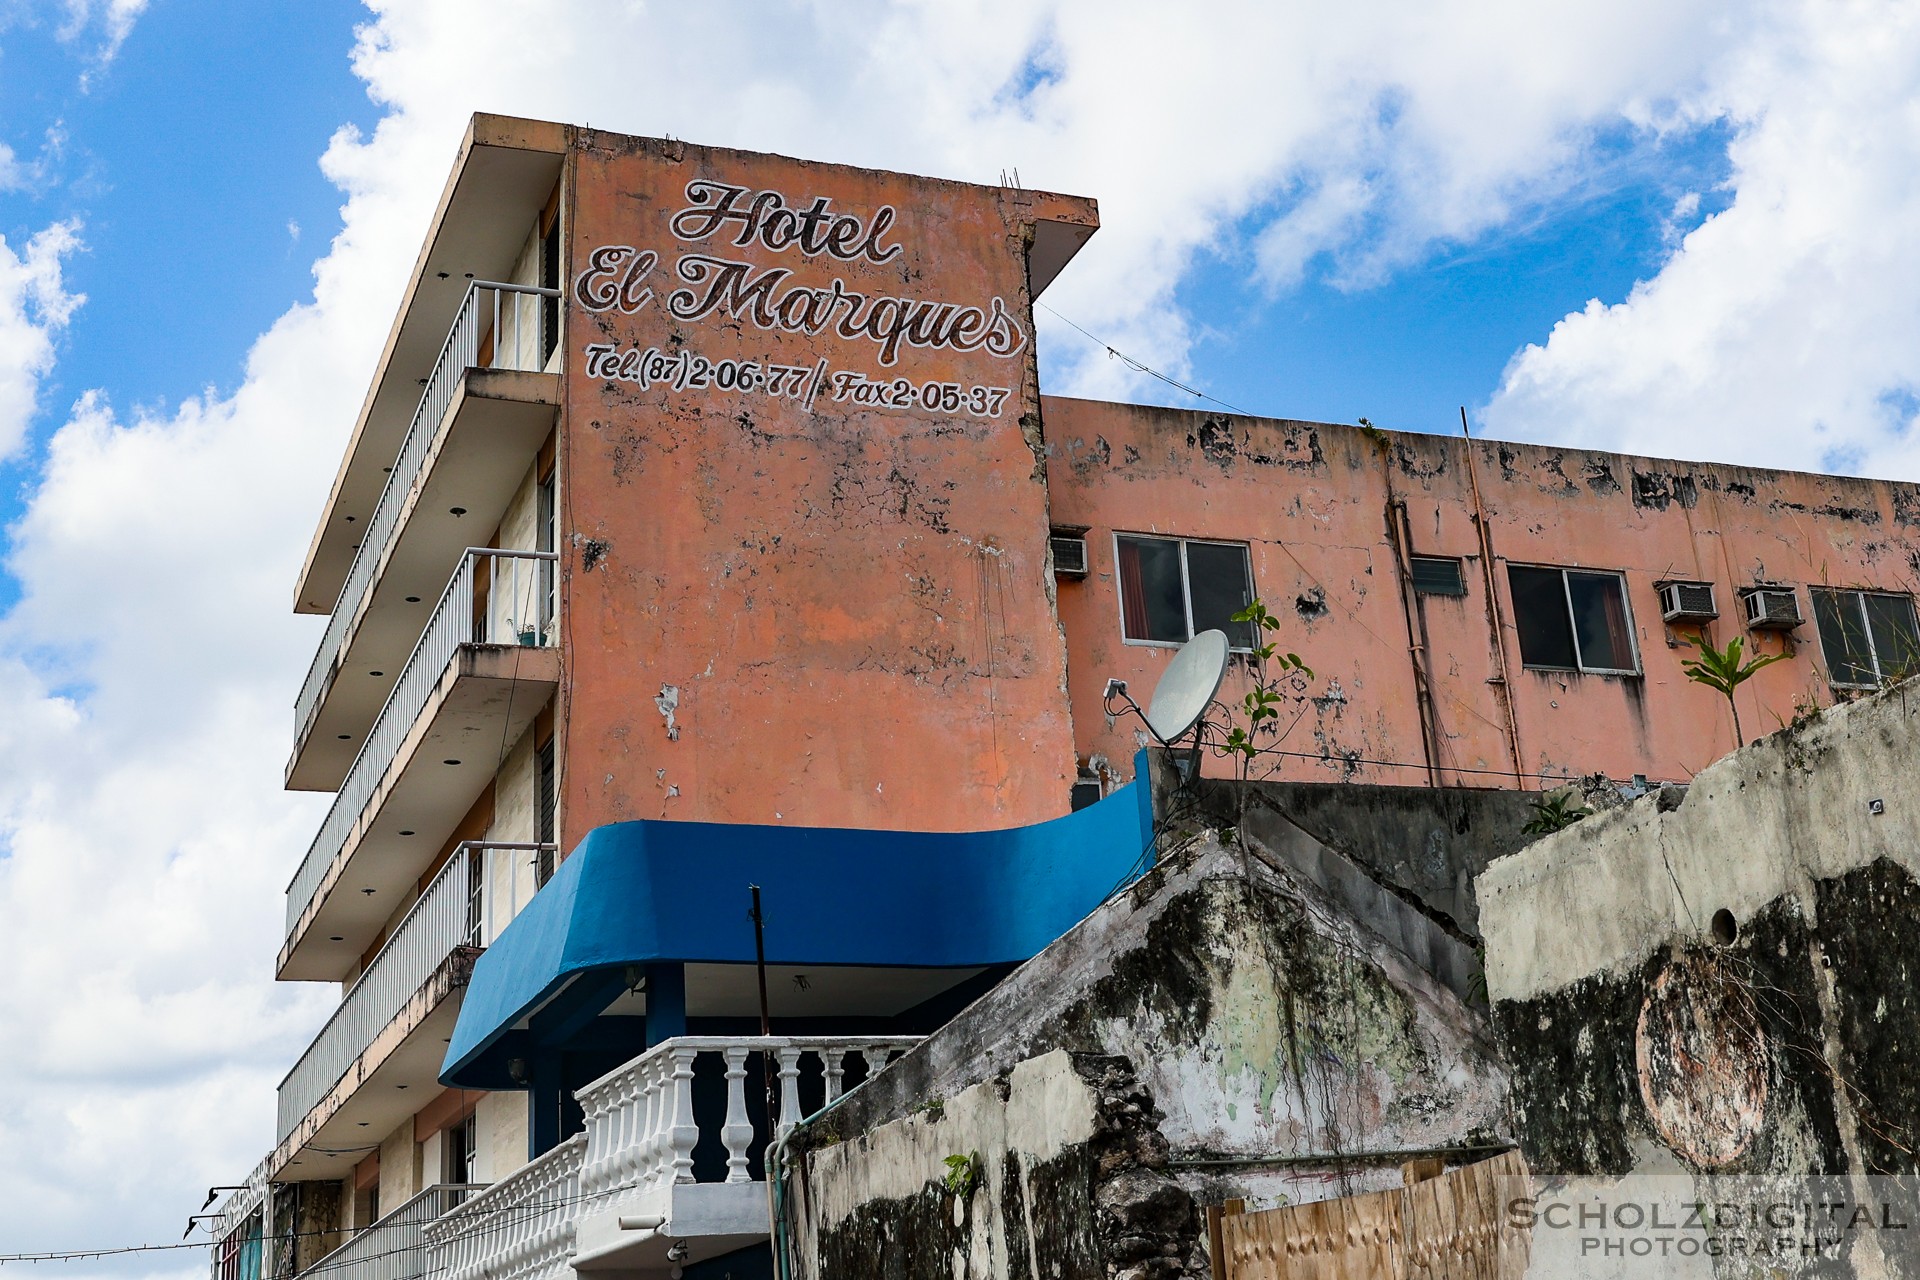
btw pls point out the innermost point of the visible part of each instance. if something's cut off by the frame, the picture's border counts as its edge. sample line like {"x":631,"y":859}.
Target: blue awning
{"x":638,"y":893}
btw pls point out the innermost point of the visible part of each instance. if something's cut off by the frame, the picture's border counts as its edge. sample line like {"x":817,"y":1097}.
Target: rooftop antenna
{"x":1186,"y":688}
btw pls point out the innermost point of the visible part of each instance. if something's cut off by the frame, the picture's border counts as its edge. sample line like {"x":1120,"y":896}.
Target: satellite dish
{"x":1187,"y":686}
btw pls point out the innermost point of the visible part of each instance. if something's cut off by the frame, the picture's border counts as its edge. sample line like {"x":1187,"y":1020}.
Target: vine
{"x":1262,"y":702}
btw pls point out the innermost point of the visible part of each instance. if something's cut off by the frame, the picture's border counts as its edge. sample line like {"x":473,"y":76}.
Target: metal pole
{"x":766,"y":1021}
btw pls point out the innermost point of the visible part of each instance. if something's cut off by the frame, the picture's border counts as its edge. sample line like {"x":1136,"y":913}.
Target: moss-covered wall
{"x":1053,"y":1171}
{"x":1723,"y":981}
{"x":1272,"y":1046}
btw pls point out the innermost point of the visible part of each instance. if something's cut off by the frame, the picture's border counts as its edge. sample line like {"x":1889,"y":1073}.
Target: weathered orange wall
{"x":1312,"y":499}
{"x":851,"y":604}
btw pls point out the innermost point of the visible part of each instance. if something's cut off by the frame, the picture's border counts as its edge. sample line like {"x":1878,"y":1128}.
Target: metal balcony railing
{"x":499,"y":326}
{"x":641,"y":1132}
{"x":460,"y":908}
{"x":495,"y":597}
{"x":393,"y":1248}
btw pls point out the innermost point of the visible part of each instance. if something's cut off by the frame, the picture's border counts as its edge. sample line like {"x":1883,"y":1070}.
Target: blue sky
{"x":191,"y":163}
{"x":1411,"y":350}
{"x":187,"y":161}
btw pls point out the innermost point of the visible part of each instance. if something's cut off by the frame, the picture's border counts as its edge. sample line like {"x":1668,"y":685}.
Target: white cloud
{"x":1785,"y":329}
{"x":35,"y":175}
{"x":107,"y":22}
{"x":146,"y":674}
{"x":35,"y":306}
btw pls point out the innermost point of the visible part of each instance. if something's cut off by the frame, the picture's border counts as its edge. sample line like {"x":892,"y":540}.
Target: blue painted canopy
{"x":637,"y":893}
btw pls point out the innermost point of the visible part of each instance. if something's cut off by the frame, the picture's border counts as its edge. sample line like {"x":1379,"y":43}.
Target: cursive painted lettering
{"x":765,"y":298}
{"x":615,"y":278}
{"x":765,"y":217}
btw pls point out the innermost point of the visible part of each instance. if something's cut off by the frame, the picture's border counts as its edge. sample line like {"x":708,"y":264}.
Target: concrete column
{"x":666,"y":1002}
{"x":545,"y":1082}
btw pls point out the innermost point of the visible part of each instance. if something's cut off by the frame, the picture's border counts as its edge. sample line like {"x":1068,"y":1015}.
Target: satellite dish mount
{"x":1186,"y":689}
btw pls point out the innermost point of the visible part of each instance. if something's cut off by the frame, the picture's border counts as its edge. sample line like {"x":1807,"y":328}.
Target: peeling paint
{"x":668,"y":702}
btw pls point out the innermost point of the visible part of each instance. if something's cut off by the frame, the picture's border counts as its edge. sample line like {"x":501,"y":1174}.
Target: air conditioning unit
{"x":1771,"y":608}
{"x":1069,"y":555}
{"x":1687,"y":602}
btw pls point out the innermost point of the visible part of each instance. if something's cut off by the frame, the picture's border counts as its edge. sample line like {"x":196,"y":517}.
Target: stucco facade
{"x":821,"y":597}
{"x":1334,"y":513}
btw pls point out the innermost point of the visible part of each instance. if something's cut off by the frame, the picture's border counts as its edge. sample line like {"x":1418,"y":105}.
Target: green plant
{"x":1262,"y":702}
{"x":1723,"y":671}
{"x":1554,"y":813}
{"x":963,"y":1173}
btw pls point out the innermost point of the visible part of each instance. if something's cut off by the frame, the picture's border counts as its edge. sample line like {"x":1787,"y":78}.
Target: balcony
{"x":482,"y":670}
{"x":504,"y":177}
{"x":388,"y":1030}
{"x":391,"y":1247}
{"x":485,"y":411}
{"x":657,"y":1149}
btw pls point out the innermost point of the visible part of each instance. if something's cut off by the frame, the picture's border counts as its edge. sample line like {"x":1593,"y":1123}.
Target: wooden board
{"x":1453,"y":1227}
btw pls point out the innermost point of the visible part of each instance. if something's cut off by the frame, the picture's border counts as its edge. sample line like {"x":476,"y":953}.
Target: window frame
{"x":1186,"y":586}
{"x":1859,"y":595}
{"x":1639,"y":667}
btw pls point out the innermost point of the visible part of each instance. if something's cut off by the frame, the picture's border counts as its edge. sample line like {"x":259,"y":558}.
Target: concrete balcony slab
{"x":485,"y":699}
{"x":489,"y":436}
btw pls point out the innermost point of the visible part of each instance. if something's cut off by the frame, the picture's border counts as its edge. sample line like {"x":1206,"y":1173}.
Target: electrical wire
{"x":1114,"y":353}
{"x":490,"y":1220}
{"x":1329,"y":757}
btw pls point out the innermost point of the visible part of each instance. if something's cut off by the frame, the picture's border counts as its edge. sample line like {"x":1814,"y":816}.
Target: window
{"x":476,"y":897}
{"x":1869,"y":636}
{"x":1171,"y":589}
{"x":547,"y":815}
{"x":547,"y":538}
{"x":1573,"y":620}
{"x":550,"y":279}
{"x":463,"y":1149}
{"x":1437,"y":576}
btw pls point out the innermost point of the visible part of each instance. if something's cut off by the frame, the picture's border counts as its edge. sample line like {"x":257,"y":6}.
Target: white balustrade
{"x":499,"y":326}
{"x":641,"y":1128}
{"x":737,"y":1133}
{"x":520,"y":1228}
{"x":494,"y":597}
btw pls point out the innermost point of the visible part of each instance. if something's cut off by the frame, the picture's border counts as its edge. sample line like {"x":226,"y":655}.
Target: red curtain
{"x":1133,"y":594}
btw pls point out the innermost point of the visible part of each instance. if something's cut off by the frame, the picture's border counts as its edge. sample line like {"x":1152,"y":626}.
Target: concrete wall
{"x":1313,"y":501}
{"x":1290,"y":1052}
{"x":1722,"y":980}
{"x":1061,"y":1175}
{"x":502,"y":1129}
{"x":400,"y":1171}
{"x":515,"y":821}
{"x":795,"y":604}
{"x":1425,"y":844}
